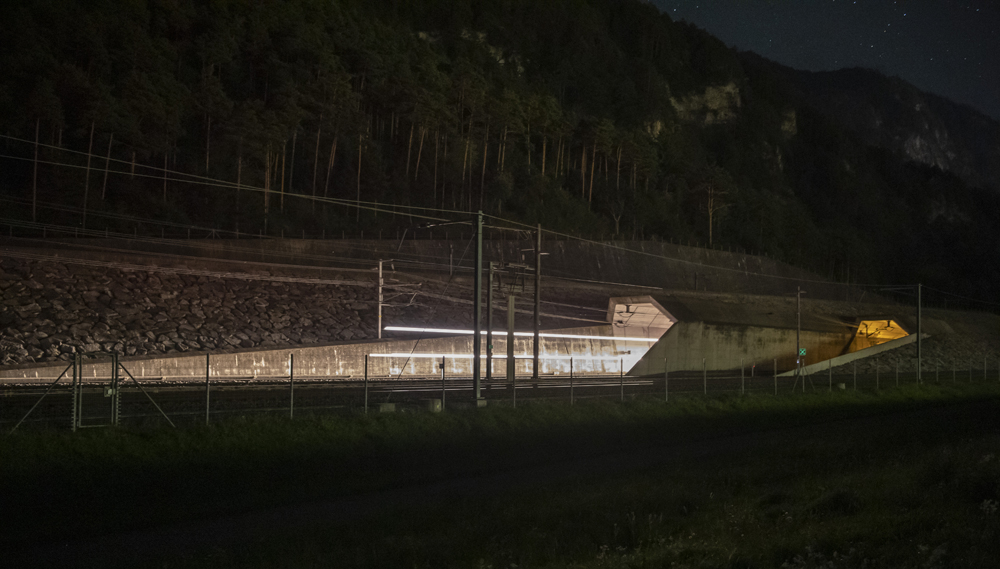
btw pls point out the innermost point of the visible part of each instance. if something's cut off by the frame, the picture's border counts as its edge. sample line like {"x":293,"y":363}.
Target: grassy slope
{"x":832,"y":490}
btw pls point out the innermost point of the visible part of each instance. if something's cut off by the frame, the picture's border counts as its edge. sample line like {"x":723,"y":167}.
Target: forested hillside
{"x":601,"y":118}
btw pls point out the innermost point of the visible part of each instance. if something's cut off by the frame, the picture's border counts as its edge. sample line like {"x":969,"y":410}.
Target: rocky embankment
{"x":50,"y":310}
{"x":942,"y":354}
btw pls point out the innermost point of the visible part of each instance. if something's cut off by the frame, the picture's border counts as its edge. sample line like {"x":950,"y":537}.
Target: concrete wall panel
{"x":684,"y":346}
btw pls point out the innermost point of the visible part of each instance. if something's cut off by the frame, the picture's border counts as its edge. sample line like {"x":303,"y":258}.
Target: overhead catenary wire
{"x":683,"y":261}
{"x":970,"y":299}
{"x":229,"y":248}
{"x":129,"y":267}
{"x":527,"y":228}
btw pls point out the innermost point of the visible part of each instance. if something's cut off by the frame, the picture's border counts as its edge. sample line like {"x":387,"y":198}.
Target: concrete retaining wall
{"x":684,"y":346}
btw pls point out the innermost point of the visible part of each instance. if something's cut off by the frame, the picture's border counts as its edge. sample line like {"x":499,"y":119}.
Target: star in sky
{"x":941,"y":46}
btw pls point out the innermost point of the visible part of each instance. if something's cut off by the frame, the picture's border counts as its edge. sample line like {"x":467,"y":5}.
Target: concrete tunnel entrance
{"x":724,"y":331}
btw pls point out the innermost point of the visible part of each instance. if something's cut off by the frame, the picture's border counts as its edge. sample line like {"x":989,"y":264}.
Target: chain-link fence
{"x":116,"y":398}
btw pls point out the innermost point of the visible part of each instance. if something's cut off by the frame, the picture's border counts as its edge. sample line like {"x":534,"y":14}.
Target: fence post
{"x":291,"y":386}
{"x":366,"y":384}
{"x":775,"y":376}
{"x":571,"y":381}
{"x":621,"y":377}
{"x":207,"y":387}
{"x":114,"y":389}
{"x":704,"y":375}
{"x":442,"y":387}
{"x":73,"y":413}
{"x":79,"y":388}
{"x":666,"y":382}
{"x":855,"y":375}
{"x":118,"y":383}
{"x":830,"y":372}
{"x":743,"y":383}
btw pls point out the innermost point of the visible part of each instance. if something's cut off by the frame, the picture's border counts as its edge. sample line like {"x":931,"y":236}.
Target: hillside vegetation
{"x":602,"y":118}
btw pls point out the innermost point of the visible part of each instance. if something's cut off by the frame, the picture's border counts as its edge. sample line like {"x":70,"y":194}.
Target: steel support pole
{"x":47,"y":390}
{"x":478,"y":312}
{"x":381,"y":298}
{"x":79,"y":388}
{"x":510,"y":340}
{"x":571,"y":381}
{"x":830,"y":372}
{"x":798,"y":329}
{"x":208,"y":387}
{"x":743,"y":381}
{"x":704,"y":375}
{"x":114,"y":390}
{"x":442,"y":384}
{"x":919,"y":331}
{"x":118,"y":394}
{"x":291,"y":386}
{"x":366,"y":384}
{"x":775,"y":377}
{"x":158,"y":408}
{"x":75,"y":395}
{"x":489,"y":324}
{"x":538,"y":301}
{"x":666,"y":386}
{"x":621,"y":377}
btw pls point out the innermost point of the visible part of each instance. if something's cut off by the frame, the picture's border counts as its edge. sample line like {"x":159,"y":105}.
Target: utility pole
{"x":489,"y":325}
{"x":919,"y":310}
{"x":478,"y":313}
{"x":380,"y":298}
{"x":538,"y":301}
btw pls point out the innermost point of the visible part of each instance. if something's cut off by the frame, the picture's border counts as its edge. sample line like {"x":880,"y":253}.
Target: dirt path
{"x":132,"y":548}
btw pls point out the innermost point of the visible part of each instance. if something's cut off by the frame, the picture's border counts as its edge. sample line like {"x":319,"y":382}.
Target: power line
{"x":962,"y":297}
{"x":183,"y":271}
{"x":207,"y":180}
{"x":250,"y":188}
{"x":684,"y":261}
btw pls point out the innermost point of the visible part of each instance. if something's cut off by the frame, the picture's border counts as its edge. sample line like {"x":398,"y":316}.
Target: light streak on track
{"x":521,"y":334}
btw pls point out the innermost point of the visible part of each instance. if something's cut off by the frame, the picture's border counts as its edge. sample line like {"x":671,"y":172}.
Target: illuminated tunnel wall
{"x":595,"y":350}
{"x":390,"y":357}
{"x":875,"y":332}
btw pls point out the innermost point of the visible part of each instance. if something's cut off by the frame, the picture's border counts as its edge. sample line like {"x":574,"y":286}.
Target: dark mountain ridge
{"x":890,"y":113}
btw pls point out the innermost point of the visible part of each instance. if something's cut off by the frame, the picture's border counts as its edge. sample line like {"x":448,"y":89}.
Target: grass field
{"x":902,"y":478}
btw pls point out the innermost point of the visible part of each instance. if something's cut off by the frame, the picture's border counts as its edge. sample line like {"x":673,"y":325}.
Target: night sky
{"x":946,"y":47}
